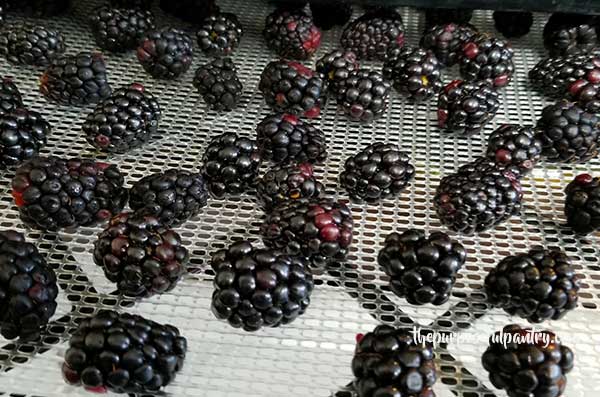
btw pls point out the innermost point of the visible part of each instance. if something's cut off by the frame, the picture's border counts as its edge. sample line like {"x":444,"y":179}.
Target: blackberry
{"x":446,"y":41}
{"x":219,"y":34}
{"x":582,"y":204}
{"x":52,"y":193}
{"x":554,"y":76}
{"x":318,"y":229}
{"x":76,"y":79}
{"x":287,"y":182}
{"x":364,"y":95}
{"x":219,"y":84}
{"x":3,"y":9}
{"x":120,"y":29}
{"x":335,"y":67}
{"x":31,"y":44}
{"x":230,"y":164}
{"x":487,"y":58}
{"x":477,"y":197}
{"x":165,"y":53}
{"x":466,"y":107}
{"x":390,"y":362}
{"x":284,"y":137}
{"x":10,"y":96}
{"x":568,"y":133}
{"x":377,"y":172}
{"x":329,"y":13}
{"x":533,"y":363}
{"x":587,"y":93}
{"x":22,"y":134}
{"x":515,"y":148}
{"x":193,"y":11}
{"x":259,"y":287}
{"x":291,"y":33}
{"x":28,"y":288}
{"x":173,"y":196}
{"x":141,"y":4}
{"x":372,"y":35}
{"x":513,"y":23}
{"x":292,"y":88}
{"x":569,"y":34}
{"x":124,"y":121}
{"x":123,"y":353}
{"x":443,"y":16}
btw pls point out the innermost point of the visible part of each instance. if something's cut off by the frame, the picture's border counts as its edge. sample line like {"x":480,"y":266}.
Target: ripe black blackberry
{"x":76,"y":79}
{"x":120,"y":29}
{"x":570,"y":34}
{"x":10,"y":96}
{"x":586,"y":92}
{"x":141,"y":4}
{"x":230,"y":164}
{"x":28,"y":288}
{"x":513,"y":23}
{"x":257,"y":288}
{"x":172,"y":196}
{"x":477,"y":197}
{"x":390,"y":362}
{"x":219,"y":84}
{"x":568,"y":133}
{"x":124,"y":121}
{"x":487,"y":58}
{"x":319,"y":229}
{"x":515,"y":148}
{"x":287,"y":182}
{"x":165,"y":53}
{"x":329,"y":13}
{"x":3,"y":9}
{"x":422,"y":269}
{"x":582,"y":204}
{"x":292,"y":88}
{"x":446,"y":41}
{"x":466,"y":107}
{"x":291,"y":33}
{"x":53,"y":193}
{"x":22,"y":134}
{"x":141,"y":255}
{"x":284,"y":137}
{"x":373,"y":34}
{"x":443,"y":16}
{"x":554,"y":76}
{"x":534,"y":365}
{"x":193,"y":11}
{"x":335,"y":67}
{"x":379,"y":171}
{"x":123,"y":353}
{"x":31,"y":44}
{"x":364,"y":95}
{"x":219,"y":34}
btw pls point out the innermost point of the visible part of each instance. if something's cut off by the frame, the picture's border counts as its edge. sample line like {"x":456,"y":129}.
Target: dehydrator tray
{"x":311,"y":356}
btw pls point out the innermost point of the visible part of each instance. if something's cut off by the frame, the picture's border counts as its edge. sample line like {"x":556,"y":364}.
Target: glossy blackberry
{"x":390,"y":362}
{"x":53,"y":193}
{"x":22,"y":134}
{"x":141,"y":4}
{"x":123,"y":353}
{"x":570,"y":34}
{"x":535,"y":365}
{"x":172,"y":196}
{"x":28,"y":288}
{"x":587,"y":93}
{"x":443,"y":16}
{"x":372,"y":35}
{"x":10,"y":96}
{"x":284,"y":137}
{"x":124,"y":121}
{"x":335,"y":67}
{"x":76,"y":79}
{"x":515,"y":148}
{"x":193,"y":11}
{"x":219,"y":34}
{"x":513,"y":23}
{"x":318,"y":229}
{"x":165,"y":53}
{"x":446,"y":41}
{"x":3,"y":9}
{"x":582,"y":204}
{"x":477,"y":197}
{"x":230,"y":164}
{"x":466,"y":107}
{"x":292,"y":88}
{"x":291,"y":34}
{"x":554,"y":76}
{"x":568,"y":133}
{"x":219,"y":84}
{"x":257,"y":288}
{"x":487,"y":58}
{"x":330,"y":13}
{"x":30,"y":44}
{"x":287,"y":182}
{"x":120,"y":29}
{"x":364,"y":95}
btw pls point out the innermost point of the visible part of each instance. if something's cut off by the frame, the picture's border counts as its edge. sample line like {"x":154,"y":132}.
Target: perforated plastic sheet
{"x":310,"y":357}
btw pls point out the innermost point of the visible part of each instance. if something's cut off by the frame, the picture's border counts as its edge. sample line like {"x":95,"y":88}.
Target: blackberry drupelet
{"x":540,"y":285}
{"x":414,"y":72}
{"x":318,"y":229}
{"x":76,"y":79}
{"x":555,"y":76}
{"x":292,"y":88}
{"x":28,"y":288}
{"x":140,"y":255}
{"x":31,"y":44}
{"x":329,"y":13}
{"x":123,"y":353}
{"x":487,"y":58}
{"x":193,"y":11}
{"x":284,"y":137}
{"x":446,"y":41}
{"x":141,"y":4}
{"x":120,"y":29}
{"x":513,"y":23}
{"x":570,"y":34}
{"x":379,"y":171}
{"x":364,"y":95}
{"x":230,"y":164}
{"x":535,"y":365}
{"x":477,"y":197}
{"x":335,"y":67}
{"x":568,"y":133}
{"x":165,"y":53}
{"x":10,"y":96}
{"x":422,"y":269}
{"x":257,"y":288}
{"x":390,"y":362}
{"x":586,"y":92}
{"x":53,"y":193}
{"x":582,"y":204}
{"x":443,"y":16}
{"x":291,"y":33}
{"x":219,"y":84}
{"x":287,"y":182}
{"x":219,"y":34}
{"x":515,"y":148}
{"x":172,"y":196}
{"x":124,"y":121}
{"x":22,"y":134}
